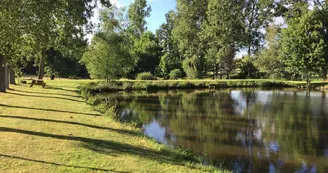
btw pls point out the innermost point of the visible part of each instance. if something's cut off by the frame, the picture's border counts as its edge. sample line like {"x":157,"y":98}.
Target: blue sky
{"x":157,"y":15}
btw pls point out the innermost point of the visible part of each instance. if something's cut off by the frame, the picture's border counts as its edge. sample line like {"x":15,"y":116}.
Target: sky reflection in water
{"x":247,"y":130}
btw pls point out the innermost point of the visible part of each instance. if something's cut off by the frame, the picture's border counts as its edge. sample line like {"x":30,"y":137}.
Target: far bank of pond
{"x":241,"y":129}
{"x":133,"y":85}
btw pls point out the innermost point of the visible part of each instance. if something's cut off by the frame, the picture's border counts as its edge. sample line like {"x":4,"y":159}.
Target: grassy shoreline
{"x":54,"y":130}
{"x":131,"y":85}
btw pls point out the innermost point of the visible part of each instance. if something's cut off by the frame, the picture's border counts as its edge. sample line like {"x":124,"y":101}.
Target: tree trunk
{"x":2,"y":73}
{"x":7,"y":69}
{"x":216,"y":71}
{"x":324,"y":74}
{"x":308,"y":82}
{"x":12,"y":77}
{"x":41,"y":66}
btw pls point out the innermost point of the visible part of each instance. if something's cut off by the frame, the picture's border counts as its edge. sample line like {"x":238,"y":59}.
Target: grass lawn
{"x":54,"y":130}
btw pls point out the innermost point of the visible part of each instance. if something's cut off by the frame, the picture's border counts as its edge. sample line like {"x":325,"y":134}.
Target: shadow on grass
{"x":66,"y":95}
{"x":58,"y":164}
{"x":126,"y":132}
{"x":62,"y":89}
{"x":49,"y":97}
{"x":51,"y":87}
{"x":51,"y":110}
{"x":107,"y":147}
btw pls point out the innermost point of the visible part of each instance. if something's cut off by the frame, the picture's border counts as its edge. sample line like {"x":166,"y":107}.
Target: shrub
{"x":175,"y":74}
{"x":146,"y":76}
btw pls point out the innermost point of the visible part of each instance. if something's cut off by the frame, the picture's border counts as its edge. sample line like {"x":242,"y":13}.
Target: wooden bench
{"x":38,"y":82}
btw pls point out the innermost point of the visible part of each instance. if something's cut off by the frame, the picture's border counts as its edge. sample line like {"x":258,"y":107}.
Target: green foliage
{"x":269,"y":61}
{"x":61,"y":66}
{"x":32,"y":26}
{"x":146,"y":76}
{"x":175,"y":74}
{"x":171,"y":58}
{"x":137,"y":13}
{"x":190,"y":67}
{"x":221,"y":35}
{"x":89,"y":90}
{"x":187,"y":26}
{"x":145,"y":48}
{"x":257,"y":16}
{"x":108,"y":55}
{"x":247,"y":68}
{"x":302,"y":45}
{"x":146,"y":52}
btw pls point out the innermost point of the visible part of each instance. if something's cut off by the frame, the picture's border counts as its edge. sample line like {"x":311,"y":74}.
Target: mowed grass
{"x":53,"y":130}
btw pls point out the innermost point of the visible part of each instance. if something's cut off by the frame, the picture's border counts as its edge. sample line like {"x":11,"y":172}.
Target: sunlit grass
{"x":53,"y":130}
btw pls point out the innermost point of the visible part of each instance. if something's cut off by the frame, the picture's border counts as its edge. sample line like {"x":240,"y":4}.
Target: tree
{"x":108,"y":55}
{"x":138,"y":11}
{"x":268,"y":60}
{"x":293,"y":9}
{"x":322,"y":14}
{"x":171,"y":58}
{"x":43,"y":23}
{"x":258,"y":14}
{"x":62,"y":66}
{"x":190,"y":16}
{"x":144,"y":48}
{"x":302,"y":45}
{"x":246,"y":67}
{"x":147,"y":53}
{"x":221,"y":33}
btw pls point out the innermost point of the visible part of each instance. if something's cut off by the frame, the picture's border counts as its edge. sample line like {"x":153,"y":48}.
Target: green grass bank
{"x":129,"y":85}
{"x":54,"y":130}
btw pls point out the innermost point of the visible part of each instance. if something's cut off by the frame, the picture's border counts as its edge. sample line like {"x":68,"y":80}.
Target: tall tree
{"x":138,"y":12}
{"x":148,"y":53}
{"x":221,"y":33}
{"x":46,"y":23}
{"x":302,"y":45}
{"x":190,"y":16}
{"x":268,"y":60}
{"x":258,"y":14}
{"x":108,"y":55}
{"x":293,"y":8}
{"x":322,"y":13}
{"x":171,"y":58}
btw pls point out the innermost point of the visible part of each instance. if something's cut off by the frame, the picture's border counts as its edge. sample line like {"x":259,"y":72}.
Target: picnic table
{"x":38,"y":82}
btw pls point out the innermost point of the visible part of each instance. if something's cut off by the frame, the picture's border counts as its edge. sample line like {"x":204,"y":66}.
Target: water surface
{"x":244,"y":130}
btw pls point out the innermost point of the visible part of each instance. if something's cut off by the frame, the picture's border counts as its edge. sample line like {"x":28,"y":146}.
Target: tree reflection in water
{"x":247,"y":130}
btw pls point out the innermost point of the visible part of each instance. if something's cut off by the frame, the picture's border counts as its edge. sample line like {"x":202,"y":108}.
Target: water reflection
{"x":247,"y":130}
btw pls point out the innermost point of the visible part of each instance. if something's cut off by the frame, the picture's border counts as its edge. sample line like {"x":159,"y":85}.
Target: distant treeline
{"x":201,"y":39}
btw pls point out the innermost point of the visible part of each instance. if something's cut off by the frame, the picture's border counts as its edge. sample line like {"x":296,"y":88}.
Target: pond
{"x":244,"y":130}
